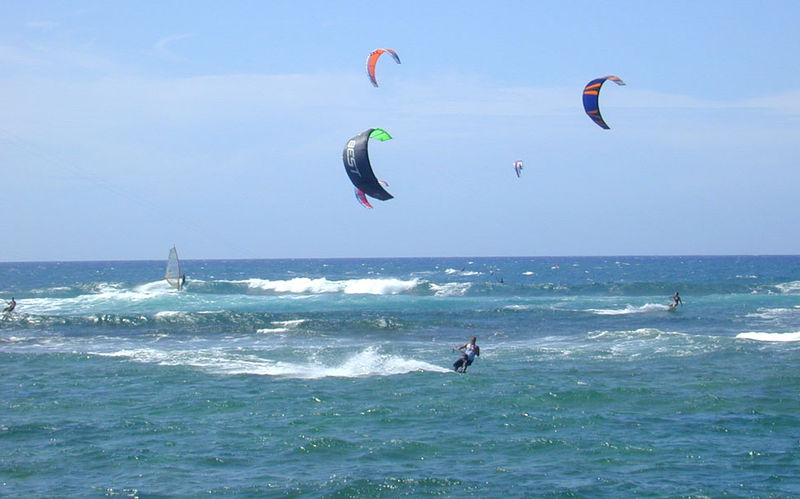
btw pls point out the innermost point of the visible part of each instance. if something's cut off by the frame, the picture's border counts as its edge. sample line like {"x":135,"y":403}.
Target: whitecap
{"x":321,"y":285}
{"x":770,"y":337}
{"x":630,"y":309}
{"x":462,"y":272}
{"x":104,"y":296}
{"x":450,"y":289}
{"x":168,"y":314}
{"x":518,"y":307}
{"x":289,"y":323}
{"x":772,"y":313}
{"x":272,"y":330}
{"x":55,"y":289}
{"x":644,"y":342}
{"x":789,"y":287}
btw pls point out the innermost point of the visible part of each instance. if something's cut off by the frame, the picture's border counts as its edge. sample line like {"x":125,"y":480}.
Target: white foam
{"x":518,"y":307}
{"x":371,"y":363}
{"x":55,"y":289}
{"x":789,"y":287}
{"x":773,"y":313}
{"x":16,"y":339}
{"x":290,"y":323}
{"x":771,"y":337}
{"x":106,"y":296}
{"x":450,"y":289}
{"x":644,"y":342}
{"x":368,"y":362}
{"x":283,"y":326}
{"x":156,"y":287}
{"x":144,"y":355}
{"x":462,"y":272}
{"x":272,"y":330}
{"x":169,"y":314}
{"x":305,"y":285}
{"x":630,"y":309}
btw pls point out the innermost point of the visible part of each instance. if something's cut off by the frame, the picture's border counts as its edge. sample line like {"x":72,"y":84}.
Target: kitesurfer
{"x":11,"y":306}
{"x":676,"y":300}
{"x":470,"y":350}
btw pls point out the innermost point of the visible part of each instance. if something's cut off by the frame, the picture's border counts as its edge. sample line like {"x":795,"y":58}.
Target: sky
{"x":127,"y":127}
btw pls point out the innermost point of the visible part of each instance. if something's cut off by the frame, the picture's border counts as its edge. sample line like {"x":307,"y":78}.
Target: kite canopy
{"x":356,"y":163}
{"x":372,"y":60}
{"x":591,"y":95}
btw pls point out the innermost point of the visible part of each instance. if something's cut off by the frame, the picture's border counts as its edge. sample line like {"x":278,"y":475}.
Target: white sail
{"x":174,"y":274}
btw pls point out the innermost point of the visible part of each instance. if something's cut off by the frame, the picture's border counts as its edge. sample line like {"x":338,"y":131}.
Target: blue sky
{"x":127,"y":127}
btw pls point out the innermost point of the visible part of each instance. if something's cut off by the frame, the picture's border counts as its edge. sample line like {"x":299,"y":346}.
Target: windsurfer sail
{"x":174,"y":274}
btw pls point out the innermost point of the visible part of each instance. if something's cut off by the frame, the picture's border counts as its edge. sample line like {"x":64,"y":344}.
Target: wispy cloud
{"x":11,"y":56}
{"x":42,"y":25}
{"x":60,"y":63}
{"x":192,"y":101}
{"x":786,"y":103}
{"x":162,"y":46}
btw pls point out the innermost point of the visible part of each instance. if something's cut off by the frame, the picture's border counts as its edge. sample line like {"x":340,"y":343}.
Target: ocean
{"x":307,"y":378}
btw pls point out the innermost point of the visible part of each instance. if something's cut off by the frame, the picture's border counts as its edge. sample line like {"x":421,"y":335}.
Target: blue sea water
{"x":333,"y":378}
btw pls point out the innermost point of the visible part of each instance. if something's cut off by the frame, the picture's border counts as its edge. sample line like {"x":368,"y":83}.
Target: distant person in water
{"x":469,"y":351}
{"x":11,"y":306}
{"x":676,"y":300}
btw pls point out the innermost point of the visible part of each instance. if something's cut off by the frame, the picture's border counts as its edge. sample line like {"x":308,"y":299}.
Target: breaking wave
{"x":770,"y":337}
{"x":306,"y":285}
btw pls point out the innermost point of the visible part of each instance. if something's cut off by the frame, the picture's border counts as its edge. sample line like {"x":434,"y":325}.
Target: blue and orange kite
{"x":591,"y":95}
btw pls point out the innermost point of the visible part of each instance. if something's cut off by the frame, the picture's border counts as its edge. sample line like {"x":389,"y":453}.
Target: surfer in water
{"x":470,"y":350}
{"x":11,"y":306}
{"x":676,"y":300}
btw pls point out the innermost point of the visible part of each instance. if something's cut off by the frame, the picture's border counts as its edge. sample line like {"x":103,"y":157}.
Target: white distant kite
{"x":518,"y":166}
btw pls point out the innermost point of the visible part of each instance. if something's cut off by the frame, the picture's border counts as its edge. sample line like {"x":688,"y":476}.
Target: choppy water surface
{"x":332,"y":377}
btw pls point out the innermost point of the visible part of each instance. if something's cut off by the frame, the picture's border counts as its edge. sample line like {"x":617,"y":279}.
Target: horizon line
{"x":708,"y":255}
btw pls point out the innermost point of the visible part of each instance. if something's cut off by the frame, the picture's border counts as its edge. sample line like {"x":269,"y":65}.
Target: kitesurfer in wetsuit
{"x":11,"y":306}
{"x":676,"y":300}
{"x":470,"y":350}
